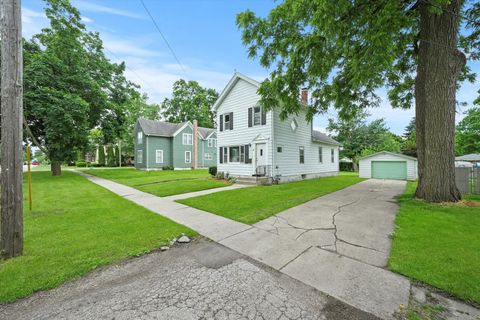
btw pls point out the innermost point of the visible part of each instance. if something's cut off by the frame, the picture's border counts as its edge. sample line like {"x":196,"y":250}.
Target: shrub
{"x":81,"y":164}
{"x":96,"y":165}
{"x":220,"y":175}
{"x":213,"y":171}
{"x":111,"y":157}
{"x":346,"y":166}
{"x":167,"y":168}
{"x":101,"y":156}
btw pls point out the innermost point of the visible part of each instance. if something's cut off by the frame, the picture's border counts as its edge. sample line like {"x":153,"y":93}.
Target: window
{"x":159,"y":156}
{"x":257,"y":116}
{"x":225,"y":155}
{"x":279,"y":149}
{"x":242,"y":154}
{"x":139,"y":137}
{"x":234,"y":154}
{"x":301,"y":152}
{"x":139,"y":156}
{"x":227,"y":121}
{"x":333,"y":155}
{"x":320,"y":154}
{"x":208,"y":156}
{"x":212,"y":142}
{"x":188,"y":157}
{"x":187,"y":139}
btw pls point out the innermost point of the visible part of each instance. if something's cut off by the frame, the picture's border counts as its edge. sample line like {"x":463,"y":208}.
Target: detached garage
{"x":388,"y":165}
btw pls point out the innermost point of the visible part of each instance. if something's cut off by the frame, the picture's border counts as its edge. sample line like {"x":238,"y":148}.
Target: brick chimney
{"x":195,"y":144}
{"x":304,"y":95}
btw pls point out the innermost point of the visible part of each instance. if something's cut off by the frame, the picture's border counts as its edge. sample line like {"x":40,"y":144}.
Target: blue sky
{"x":204,"y":37}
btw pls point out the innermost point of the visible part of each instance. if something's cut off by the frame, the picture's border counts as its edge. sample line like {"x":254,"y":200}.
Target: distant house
{"x":159,"y":144}
{"x":256,"y":142}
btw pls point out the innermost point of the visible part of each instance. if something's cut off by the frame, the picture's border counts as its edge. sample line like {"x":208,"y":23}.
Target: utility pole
{"x":11,"y":177}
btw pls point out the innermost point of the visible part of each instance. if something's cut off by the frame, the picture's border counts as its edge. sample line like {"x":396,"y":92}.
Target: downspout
{"x":274,"y":169}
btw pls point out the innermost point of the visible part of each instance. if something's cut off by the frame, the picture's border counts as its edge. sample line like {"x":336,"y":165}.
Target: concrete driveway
{"x":355,"y":222}
{"x":200,"y":280}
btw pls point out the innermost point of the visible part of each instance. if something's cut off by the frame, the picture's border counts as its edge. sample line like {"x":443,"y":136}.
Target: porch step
{"x":252,"y":180}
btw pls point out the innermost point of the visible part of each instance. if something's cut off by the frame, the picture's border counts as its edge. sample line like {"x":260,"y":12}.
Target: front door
{"x":260,"y":154}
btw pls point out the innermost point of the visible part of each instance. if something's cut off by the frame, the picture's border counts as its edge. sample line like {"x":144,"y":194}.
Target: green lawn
{"x":161,"y":183}
{"x":77,"y":226}
{"x":250,"y":205}
{"x":438,"y":244}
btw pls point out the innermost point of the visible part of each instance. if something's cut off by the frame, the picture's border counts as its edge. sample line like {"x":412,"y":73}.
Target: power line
{"x":130,"y":69}
{"x":161,"y":34}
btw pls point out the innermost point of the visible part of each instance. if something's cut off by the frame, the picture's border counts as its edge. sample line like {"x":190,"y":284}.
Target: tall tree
{"x":344,"y":50}
{"x":11,"y":176}
{"x":189,"y":102}
{"x":468,"y":133}
{"x":70,"y":86}
{"x":409,"y":143}
{"x":359,"y":137}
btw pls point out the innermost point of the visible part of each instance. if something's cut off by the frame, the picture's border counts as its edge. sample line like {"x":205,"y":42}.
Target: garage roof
{"x":391,"y":153}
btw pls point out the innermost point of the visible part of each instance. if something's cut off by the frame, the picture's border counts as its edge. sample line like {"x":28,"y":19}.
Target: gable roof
{"x":391,"y":153}
{"x":167,"y":129}
{"x":317,"y":136}
{"x":205,"y":132}
{"x":236,"y":76}
{"x":469,"y":157}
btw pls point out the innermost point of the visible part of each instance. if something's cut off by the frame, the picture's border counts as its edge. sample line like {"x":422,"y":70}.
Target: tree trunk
{"x":439,"y":65}
{"x":11,"y":177}
{"x":56,"y":168}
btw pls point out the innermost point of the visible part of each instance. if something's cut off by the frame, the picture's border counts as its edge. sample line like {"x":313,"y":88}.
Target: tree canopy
{"x":468,"y":133}
{"x":189,"y":102}
{"x":72,"y":88}
{"x":344,"y":51}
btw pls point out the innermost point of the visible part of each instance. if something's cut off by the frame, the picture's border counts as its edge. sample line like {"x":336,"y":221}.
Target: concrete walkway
{"x":337,"y":244}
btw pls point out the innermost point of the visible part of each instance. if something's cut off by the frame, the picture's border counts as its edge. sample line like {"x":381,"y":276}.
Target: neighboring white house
{"x":388,"y":165}
{"x":253,"y":142}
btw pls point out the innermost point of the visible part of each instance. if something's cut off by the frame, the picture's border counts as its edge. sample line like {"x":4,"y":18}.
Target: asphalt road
{"x":200,"y":280}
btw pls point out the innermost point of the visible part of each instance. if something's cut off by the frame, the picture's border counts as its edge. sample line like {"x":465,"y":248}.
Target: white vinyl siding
{"x":139,"y":156}
{"x":241,"y":97}
{"x":188,"y":157}
{"x":365,"y":164}
{"x":159,"y":156}
{"x":187,"y":139}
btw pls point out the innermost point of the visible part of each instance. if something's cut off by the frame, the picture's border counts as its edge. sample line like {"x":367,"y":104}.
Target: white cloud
{"x":93,"y":7}
{"x":86,"y":19}
{"x":32,"y":22}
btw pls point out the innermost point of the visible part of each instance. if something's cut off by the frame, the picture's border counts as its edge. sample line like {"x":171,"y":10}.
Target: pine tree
{"x":101,"y":156}
{"x":110,"y":157}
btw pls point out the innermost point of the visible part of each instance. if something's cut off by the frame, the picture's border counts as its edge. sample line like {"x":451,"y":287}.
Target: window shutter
{"x":220,"y":152}
{"x":231,"y":120}
{"x":247,"y":154}
{"x":221,"y":122}
{"x":264,"y":117}
{"x":250,"y":111}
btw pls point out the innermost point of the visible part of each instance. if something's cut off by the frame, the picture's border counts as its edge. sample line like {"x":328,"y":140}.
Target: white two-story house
{"x":255,"y":142}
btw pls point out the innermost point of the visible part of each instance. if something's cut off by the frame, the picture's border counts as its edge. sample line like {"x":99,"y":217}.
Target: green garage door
{"x":389,"y":170}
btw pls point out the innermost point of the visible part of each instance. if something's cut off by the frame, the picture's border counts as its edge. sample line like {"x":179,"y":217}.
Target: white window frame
{"x":225,"y":154}
{"x":301,"y":155}
{"x":208,"y":156}
{"x":225,"y":127}
{"x":212,"y":142}
{"x":189,"y":157}
{"x":187,"y":139}
{"x":159,"y":154}
{"x":320,"y":154}
{"x":229,"y":159}
{"x":139,"y":158}
{"x":139,"y":137}
{"x":257,"y":115}
{"x":333,"y":155}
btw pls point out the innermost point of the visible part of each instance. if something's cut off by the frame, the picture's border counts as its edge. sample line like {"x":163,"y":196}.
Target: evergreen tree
{"x":101,"y":156}
{"x":110,"y":156}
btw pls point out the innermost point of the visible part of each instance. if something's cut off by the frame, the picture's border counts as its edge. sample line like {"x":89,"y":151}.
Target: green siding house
{"x":159,"y":144}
